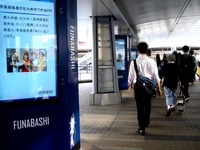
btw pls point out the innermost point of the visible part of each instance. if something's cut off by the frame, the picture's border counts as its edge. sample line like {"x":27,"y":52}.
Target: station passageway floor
{"x":113,"y":127}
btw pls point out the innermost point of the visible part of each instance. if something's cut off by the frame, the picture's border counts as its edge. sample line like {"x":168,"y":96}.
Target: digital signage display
{"x":28,"y":45}
{"x":120,"y":53}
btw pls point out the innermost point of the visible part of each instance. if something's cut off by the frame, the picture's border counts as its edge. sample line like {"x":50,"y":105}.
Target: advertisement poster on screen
{"x":28,"y":46}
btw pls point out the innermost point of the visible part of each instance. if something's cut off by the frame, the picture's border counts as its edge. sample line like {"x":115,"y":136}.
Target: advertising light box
{"x":120,"y":53}
{"x":28,"y":45}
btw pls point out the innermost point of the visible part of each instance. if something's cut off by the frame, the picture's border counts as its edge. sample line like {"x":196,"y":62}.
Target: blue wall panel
{"x":49,"y":125}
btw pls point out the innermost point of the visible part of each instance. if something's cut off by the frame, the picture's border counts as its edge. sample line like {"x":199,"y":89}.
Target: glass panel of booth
{"x":105,"y":79}
{"x":105,"y":59}
{"x":28,"y":43}
{"x":104,"y":45}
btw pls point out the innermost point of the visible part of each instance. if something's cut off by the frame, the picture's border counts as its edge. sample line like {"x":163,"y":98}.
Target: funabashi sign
{"x":28,"y":43}
{"x":30,"y":123}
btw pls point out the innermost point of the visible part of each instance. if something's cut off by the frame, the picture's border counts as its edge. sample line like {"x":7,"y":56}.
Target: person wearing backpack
{"x":186,"y":71}
{"x":147,"y":67}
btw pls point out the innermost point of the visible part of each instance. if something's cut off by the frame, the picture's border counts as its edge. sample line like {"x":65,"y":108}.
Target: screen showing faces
{"x":120,"y":53}
{"x":28,"y":44}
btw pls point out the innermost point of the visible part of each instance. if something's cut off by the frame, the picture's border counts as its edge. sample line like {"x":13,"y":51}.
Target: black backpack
{"x":186,"y":66}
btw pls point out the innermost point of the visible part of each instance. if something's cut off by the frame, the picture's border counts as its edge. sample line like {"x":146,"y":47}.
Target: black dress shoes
{"x":140,"y":132}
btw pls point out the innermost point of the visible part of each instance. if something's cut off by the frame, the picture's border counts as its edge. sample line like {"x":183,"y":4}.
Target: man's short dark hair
{"x":185,"y":48}
{"x":142,"y":47}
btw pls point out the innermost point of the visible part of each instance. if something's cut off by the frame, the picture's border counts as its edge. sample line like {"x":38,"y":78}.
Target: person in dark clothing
{"x":159,"y":64}
{"x":163,"y":63}
{"x":177,"y":57}
{"x":191,"y":52}
{"x":164,"y":60}
{"x":186,"y":69}
{"x":149,"y":52}
{"x":170,"y":82}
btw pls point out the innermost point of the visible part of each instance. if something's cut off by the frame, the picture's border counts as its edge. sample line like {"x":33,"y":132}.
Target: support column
{"x":105,"y":82}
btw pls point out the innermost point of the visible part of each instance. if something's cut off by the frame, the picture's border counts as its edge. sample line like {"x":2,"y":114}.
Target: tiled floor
{"x":113,"y":127}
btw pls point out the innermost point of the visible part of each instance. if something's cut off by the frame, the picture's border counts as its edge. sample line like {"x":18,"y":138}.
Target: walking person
{"x":191,"y":52}
{"x":159,"y":65}
{"x":148,"y":68}
{"x":164,"y":59}
{"x":186,"y":71}
{"x":170,"y":82}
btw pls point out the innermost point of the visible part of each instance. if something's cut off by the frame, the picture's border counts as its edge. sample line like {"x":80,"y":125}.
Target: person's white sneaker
{"x":187,"y":100}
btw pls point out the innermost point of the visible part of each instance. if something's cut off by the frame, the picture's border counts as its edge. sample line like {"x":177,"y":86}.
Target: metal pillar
{"x":105,"y":82}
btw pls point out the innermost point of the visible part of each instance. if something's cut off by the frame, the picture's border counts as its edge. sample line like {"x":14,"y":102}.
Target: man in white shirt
{"x":148,"y":68}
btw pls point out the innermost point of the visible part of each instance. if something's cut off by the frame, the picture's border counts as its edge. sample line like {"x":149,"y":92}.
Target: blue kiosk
{"x":122,"y":53}
{"x":39,"y":108}
{"x":125,"y":53}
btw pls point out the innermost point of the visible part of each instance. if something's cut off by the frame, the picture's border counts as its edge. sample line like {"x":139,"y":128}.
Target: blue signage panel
{"x":122,"y":60}
{"x":39,"y":106}
{"x":133,"y":53}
